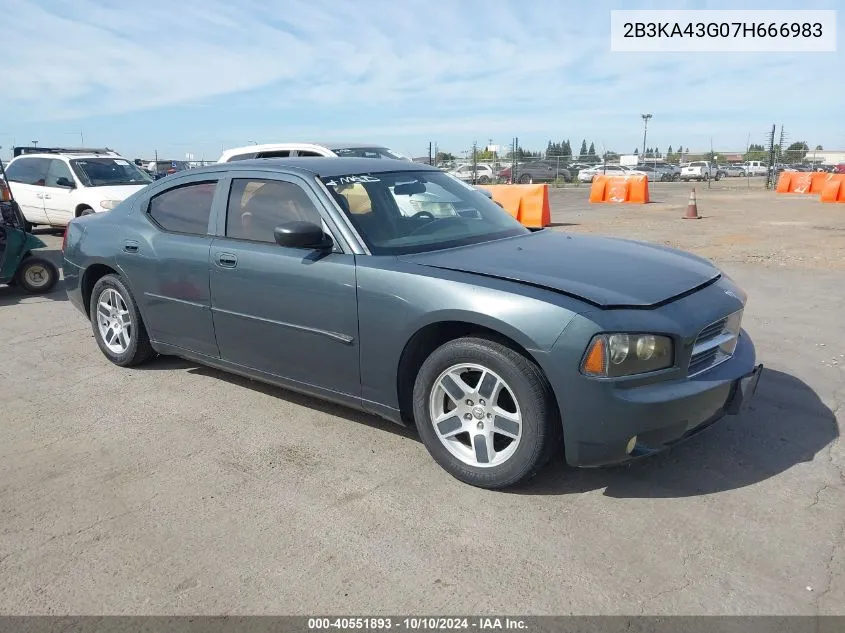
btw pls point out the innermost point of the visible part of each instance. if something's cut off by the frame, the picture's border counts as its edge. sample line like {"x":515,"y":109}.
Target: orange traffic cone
{"x":692,"y":207}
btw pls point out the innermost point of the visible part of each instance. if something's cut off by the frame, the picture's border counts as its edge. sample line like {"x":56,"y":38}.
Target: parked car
{"x":161,"y":168}
{"x":484,"y":174}
{"x":756,"y":168}
{"x":537,"y":171}
{"x":587,"y":175}
{"x":661,"y":172}
{"x":51,"y":189}
{"x":495,"y":341}
{"x":311,"y":150}
{"x":700,"y":170}
{"x":733,"y":171}
{"x":317,"y":150}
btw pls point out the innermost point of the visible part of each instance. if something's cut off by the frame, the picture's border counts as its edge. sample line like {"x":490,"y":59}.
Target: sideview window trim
{"x":206,"y":181}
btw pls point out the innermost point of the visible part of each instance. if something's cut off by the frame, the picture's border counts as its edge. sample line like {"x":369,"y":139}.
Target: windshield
{"x":411,"y":212}
{"x":104,"y":172}
{"x":368,"y":152}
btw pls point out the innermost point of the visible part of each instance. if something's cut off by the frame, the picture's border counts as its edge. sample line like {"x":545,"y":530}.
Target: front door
{"x":59,"y":203}
{"x":289,"y":312}
{"x":169,"y":266}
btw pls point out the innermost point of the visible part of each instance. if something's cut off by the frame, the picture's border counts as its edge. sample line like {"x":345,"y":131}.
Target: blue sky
{"x":198,"y":76}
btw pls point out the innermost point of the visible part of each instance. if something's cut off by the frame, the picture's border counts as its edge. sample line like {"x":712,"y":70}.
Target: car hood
{"x":116,"y":192}
{"x":606,"y":272}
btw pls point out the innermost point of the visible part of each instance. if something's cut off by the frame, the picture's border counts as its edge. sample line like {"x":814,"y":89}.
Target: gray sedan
{"x":394,"y":288}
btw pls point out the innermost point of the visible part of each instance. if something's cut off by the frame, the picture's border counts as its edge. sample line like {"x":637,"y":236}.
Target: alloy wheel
{"x":475,"y":415}
{"x":114,"y":321}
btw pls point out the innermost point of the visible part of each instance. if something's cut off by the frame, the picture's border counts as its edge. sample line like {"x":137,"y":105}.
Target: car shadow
{"x":10,"y":295}
{"x":167,"y":363}
{"x":784,"y":425}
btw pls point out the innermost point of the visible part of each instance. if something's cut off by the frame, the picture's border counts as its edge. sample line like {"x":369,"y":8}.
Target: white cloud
{"x":400,"y":69}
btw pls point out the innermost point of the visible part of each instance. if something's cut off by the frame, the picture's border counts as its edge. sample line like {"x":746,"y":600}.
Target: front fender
{"x":398,"y":299}
{"x":33,"y":242}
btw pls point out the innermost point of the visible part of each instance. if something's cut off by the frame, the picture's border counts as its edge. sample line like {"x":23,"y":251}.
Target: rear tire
{"x":37,"y":275}
{"x":85,"y":211}
{"x":116,"y":321}
{"x":510,"y":429}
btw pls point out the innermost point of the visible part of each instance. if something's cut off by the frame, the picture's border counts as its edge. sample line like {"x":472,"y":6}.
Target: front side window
{"x":106,"y":172}
{"x":28,"y":171}
{"x":58,"y":174}
{"x":257,"y":207}
{"x":185,"y":209}
{"x":409,"y":212}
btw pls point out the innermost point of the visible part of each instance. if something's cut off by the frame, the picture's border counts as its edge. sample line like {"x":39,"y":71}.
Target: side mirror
{"x":301,"y":234}
{"x":61,"y":181}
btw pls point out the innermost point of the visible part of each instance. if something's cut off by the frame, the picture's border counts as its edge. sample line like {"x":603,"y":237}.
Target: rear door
{"x":168,"y":264}
{"x":26,"y":179}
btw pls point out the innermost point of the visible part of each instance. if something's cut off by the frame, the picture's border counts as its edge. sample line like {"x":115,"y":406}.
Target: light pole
{"x":645,"y":117}
{"x":35,"y":143}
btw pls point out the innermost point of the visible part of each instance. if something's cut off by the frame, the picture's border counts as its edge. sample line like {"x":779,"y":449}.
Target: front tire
{"x":485,"y":413}
{"x":85,"y":211}
{"x":37,"y":275}
{"x":525,"y":179}
{"x":117,"y":324}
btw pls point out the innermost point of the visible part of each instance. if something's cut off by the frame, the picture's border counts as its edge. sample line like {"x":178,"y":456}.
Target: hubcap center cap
{"x":478,"y":413}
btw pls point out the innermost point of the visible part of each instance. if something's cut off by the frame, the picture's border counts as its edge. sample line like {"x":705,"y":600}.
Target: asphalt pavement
{"x":177,"y":489}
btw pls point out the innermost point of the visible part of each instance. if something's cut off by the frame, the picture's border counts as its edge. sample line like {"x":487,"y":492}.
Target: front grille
{"x":711,"y":331}
{"x":715,"y":344}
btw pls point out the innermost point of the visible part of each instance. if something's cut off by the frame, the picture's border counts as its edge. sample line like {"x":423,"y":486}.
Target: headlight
{"x":109,"y":204}
{"x":614,"y":355}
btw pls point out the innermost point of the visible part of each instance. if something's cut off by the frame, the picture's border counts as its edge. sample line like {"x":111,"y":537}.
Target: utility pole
{"x":645,"y":117}
{"x":429,"y":153}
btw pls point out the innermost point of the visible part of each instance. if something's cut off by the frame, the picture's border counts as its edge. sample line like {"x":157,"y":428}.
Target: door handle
{"x":47,"y":195}
{"x":40,"y":196}
{"x":130,"y":246}
{"x":227,"y":260}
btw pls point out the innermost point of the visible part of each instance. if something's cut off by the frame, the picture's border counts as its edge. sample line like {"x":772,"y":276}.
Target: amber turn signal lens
{"x":595,"y":363}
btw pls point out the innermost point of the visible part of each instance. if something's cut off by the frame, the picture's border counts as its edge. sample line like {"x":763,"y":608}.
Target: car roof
{"x":324,"y":166}
{"x":67,"y":155}
{"x":266,"y":147}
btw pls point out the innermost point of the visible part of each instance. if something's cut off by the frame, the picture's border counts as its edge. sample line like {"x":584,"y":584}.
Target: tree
{"x":636,"y":151}
{"x":820,"y":148}
{"x":756,"y":152}
{"x":796,"y":152}
{"x":443,"y":157}
{"x":610,"y":156}
{"x":591,"y":154}
{"x":582,"y":154}
{"x":567,"y":150}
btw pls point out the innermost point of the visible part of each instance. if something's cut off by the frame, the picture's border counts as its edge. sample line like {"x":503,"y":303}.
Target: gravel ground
{"x":176,"y":489}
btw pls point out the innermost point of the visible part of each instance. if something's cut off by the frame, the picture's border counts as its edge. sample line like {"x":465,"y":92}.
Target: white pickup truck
{"x":700,"y":170}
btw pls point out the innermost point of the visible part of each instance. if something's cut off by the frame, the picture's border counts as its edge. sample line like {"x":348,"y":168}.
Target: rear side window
{"x":249,"y":156}
{"x":308,"y":153}
{"x":28,"y":171}
{"x":185,"y":209}
{"x":282,"y":153}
